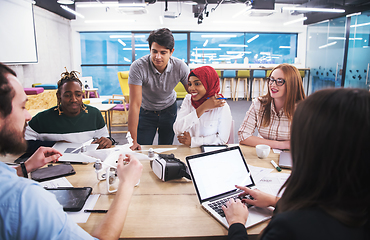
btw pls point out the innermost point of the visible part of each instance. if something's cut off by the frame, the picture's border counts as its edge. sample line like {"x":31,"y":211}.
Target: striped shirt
{"x":278,"y":130}
{"x":50,"y":126}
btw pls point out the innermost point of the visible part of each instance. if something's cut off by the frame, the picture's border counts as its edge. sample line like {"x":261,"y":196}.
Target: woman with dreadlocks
{"x":70,"y":120}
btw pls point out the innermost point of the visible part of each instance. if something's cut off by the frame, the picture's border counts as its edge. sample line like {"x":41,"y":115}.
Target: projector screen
{"x":17,"y":31}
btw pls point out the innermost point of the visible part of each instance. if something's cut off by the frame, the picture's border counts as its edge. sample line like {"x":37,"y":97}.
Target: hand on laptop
{"x":103,"y":142}
{"x":235,"y":212}
{"x":260,"y":199}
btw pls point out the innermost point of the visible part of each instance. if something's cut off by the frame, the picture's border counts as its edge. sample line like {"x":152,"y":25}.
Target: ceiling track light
{"x":72,"y":11}
{"x":66,"y":2}
{"x":305,"y":9}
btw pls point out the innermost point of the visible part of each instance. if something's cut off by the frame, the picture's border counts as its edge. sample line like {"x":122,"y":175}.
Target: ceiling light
{"x":190,"y":3}
{"x":304,"y":9}
{"x":72,"y":11}
{"x":218,"y":36}
{"x":66,"y":1}
{"x":205,"y":43}
{"x":353,"y":14}
{"x":232,"y":45}
{"x":284,"y":47}
{"x":296,"y":20}
{"x":238,"y":52}
{"x":327,"y":45}
{"x":343,"y":38}
{"x":122,"y":42}
{"x":207,"y":49}
{"x":110,"y":21}
{"x":109,"y":4}
{"x":360,"y":25}
{"x":253,"y":38}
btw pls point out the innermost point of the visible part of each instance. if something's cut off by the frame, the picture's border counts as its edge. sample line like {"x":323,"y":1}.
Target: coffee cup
{"x":263,"y":150}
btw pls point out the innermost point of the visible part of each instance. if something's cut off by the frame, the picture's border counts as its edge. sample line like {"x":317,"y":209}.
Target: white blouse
{"x":213,"y":127}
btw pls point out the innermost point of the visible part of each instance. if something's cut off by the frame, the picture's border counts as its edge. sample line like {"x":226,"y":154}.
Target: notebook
{"x":285,"y":160}
{"x":215,"y":175}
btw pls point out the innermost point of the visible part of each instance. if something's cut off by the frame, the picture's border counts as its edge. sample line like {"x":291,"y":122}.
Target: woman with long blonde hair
{"x":272,"y":113}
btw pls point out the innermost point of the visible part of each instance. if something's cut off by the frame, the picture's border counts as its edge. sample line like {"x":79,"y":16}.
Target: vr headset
{"x":167,"y":167}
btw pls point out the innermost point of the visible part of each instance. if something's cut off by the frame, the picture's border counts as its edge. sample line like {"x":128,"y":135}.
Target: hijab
{"x":210,"y":80}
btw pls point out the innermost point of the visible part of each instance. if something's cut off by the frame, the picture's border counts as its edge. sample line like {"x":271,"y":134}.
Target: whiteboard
{"x":17,"y":31}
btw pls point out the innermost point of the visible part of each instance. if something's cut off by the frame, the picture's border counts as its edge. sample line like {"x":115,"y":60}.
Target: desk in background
{"x":159,"y":209}
{"x":105,"y":108}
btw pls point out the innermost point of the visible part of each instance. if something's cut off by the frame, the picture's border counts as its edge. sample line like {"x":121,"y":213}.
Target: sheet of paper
{"x":58,"y":182}
{"x":259,"y":172}
{"x":161,"y":150}
{"x":272,"y":183}
{"x":81,"y":216}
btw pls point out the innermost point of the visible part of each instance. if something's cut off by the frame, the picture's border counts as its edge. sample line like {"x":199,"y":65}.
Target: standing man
{"x":27,"y":210}
{"x":152,"y":80}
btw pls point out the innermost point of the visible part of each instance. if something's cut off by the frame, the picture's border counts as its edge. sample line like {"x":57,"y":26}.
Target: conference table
{"x":164,"y":210}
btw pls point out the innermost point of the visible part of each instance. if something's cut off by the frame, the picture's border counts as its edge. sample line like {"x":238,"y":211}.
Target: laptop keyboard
{"x":217,"y":205}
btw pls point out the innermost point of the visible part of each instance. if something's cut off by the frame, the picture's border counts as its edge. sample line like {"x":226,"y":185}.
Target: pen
{"x":220,"y":98}
{"x":95,"y":211}
{"x":275,"y":166}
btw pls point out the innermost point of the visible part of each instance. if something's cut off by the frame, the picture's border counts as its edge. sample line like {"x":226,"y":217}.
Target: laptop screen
{"x":218,"y":172}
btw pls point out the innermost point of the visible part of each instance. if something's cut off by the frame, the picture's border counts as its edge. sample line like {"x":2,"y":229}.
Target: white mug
{"x":263,"y":150}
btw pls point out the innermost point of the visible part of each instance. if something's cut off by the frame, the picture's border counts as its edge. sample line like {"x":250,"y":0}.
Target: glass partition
{"x":228,"y":48}
{"x":358,"y":61}
{"x":325,"y":52}
{"x":105,"y":53}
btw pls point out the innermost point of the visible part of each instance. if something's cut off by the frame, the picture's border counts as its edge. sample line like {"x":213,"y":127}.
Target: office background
{"x":84,"y":42}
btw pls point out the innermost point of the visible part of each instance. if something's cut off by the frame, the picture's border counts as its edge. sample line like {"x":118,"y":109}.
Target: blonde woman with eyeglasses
{"x":272,"y":113}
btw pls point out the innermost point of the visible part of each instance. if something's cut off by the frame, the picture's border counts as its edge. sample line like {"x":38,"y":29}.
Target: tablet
{"x":209,"y":148}
{"x":285,"y":160}
{"x":51,"y":172}
{"x":72,"y":199}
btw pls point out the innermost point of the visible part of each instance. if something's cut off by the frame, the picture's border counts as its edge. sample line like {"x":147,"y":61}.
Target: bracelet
{"x":24,"y":170}
{"x":112,"y":140}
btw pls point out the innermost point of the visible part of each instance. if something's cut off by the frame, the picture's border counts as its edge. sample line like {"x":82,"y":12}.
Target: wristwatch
{"x":24,"y":170}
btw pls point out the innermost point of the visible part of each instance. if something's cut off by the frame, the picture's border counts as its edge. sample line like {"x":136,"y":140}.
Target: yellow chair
{"x":86,"y":101}
{"x":119,"y":107}
{"x":123,"y":82}
{"x":180,"y":91}
{"x":302,"y":73}
{"x":242,"y":75}
{"x":219,"y":73}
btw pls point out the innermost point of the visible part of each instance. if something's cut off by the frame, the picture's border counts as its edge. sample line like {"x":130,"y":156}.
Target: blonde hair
{"x":294,"y":93}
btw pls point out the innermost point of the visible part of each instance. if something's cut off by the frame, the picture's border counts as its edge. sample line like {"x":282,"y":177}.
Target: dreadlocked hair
{"x":68,"y":77}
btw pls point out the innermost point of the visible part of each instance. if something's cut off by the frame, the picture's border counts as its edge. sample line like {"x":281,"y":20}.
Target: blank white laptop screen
{"x":218,"y":173}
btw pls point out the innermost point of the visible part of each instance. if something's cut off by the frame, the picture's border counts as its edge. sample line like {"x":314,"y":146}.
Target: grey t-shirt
{"x":158,"y":88}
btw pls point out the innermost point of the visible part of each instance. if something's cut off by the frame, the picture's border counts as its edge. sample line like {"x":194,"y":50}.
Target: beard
{"x":12,"y":141}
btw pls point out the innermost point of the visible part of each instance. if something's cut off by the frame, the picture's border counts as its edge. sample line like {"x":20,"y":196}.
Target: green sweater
{"x":50,"y":126}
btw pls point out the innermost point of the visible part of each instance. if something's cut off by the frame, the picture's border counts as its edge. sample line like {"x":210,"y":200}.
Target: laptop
{"x":208,"y":148}
{"x":285,"y":160}
{"x":215,"y":175}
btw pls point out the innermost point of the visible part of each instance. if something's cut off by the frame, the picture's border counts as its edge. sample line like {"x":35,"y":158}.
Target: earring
{"x":58,"y":108}
{"x":83,"y":107}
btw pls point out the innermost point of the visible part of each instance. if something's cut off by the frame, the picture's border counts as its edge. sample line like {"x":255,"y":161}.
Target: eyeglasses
{"x":279,"y":82}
